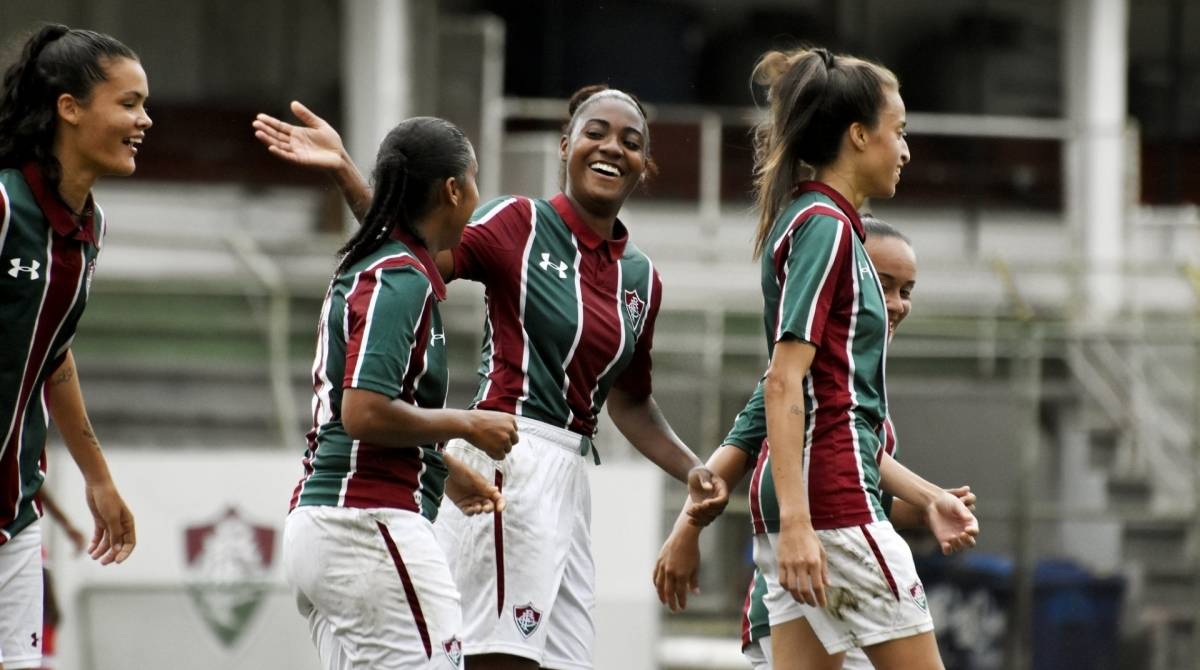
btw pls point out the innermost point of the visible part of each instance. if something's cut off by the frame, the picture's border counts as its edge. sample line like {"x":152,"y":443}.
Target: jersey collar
{"x":431,"y":270}
{"x":587,"y":236}
{"x":839,"y":200}
{"x":61,"y":218}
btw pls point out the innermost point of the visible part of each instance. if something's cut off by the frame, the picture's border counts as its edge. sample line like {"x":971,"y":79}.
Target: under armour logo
{"x":439,"y":336}
{"x":864,"y":270}
{"x":547,"y":265}
{"x":34,"y":637}
{"x":17,"y":268}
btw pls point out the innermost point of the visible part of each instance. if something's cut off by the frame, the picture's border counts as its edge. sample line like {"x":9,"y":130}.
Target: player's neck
{"x":601,"y":224}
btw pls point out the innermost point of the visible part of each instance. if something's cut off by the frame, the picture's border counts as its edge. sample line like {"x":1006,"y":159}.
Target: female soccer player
{"x":678,"y":564}
{"x":359,"y":544}
{"x":815,"y":492}
{"x":571,"y":306}
{"x":72,"y":109}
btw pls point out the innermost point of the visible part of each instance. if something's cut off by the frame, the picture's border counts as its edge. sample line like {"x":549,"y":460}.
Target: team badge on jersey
{"x":635,"y":307}
{"x":917,"y":592}
{"x":527,"y":618}
{"x":453,"y":649}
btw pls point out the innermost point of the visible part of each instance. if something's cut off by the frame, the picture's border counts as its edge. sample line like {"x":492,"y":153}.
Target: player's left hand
{"x":678,"y":567}
{"x":114,"y":537}
{"x":708,"y":494}
{"x":468,"y":489}
{"x":952,"y":524}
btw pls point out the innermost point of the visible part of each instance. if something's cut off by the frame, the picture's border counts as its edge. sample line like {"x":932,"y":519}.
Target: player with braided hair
{"x":571,"y":306}
{"x":359,"y":546}
{"x":72,"y":110}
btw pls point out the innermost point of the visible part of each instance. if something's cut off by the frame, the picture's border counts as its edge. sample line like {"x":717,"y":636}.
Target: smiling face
{"x":896,"y":264}
{"x":105,"y":130}
{"x":885,"y":151}
{"x":605,"y":155}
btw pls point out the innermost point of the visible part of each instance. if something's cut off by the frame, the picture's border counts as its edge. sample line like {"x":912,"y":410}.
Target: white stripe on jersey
{"x":378,"y":271}
{"x":4,"y":227}
{"x":425,"y":356}
{"x":79,"y":282}
{"x":103,"y":229}
{"x":578,"y":332}
{"x":524,"y":290}
{"x":493,"y":212}
{"x":649,"y":296}
{"x":850,"y":336}
{"x":620,"y":305}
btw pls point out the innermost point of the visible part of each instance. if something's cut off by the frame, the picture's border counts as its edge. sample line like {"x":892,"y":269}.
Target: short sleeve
{"x":809,"y":269}
{"x":750,"y":426}
{"x":635,"y":378}
{"x":385,"y":311}
{"x":497,"y":229}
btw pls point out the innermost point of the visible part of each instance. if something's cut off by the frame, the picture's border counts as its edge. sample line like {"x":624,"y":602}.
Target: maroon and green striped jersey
{"x":819,"y":286}
{"x":47,"y":259}
{"x":569,"y":314}
{"x":379,"y":331}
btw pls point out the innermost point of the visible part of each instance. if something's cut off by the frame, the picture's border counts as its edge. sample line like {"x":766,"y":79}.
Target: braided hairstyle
{"x":813,"y":96}
{"x":54,"y":61}
{"x":415,"y":159}
{"x":585,"y":96}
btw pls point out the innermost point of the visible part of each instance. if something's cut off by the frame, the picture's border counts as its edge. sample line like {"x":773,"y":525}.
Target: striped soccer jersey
{"x":755,"y":622}
{"x":569,"y":314}
{"x":819,"y":286}
{"x":47,"y":259}
{"x":380,"y":331}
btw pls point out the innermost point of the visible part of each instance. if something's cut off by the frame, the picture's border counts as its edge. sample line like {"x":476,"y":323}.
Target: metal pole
{"x":1193,"y":274}
{"x":1027,"y":385}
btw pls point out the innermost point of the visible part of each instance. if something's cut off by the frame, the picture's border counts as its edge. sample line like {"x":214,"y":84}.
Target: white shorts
{"x":875,"y":593}
{"x":374,"y":587}
{"x":527,"y":576}
{"x":21,"y":599}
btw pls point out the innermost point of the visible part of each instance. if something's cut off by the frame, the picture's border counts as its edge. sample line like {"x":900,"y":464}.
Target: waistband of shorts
{"x":567,"y":440}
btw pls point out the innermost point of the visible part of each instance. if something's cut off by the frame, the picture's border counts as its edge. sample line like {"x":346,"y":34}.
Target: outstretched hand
{"x":314,"y":144}
{"x":708,"y":494}
{"x":468,"y":489}
{"x":114,"y":536}
{"x":951,"y":522}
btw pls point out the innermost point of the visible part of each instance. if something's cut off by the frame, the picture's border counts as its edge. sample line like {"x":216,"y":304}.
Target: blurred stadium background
{"x":1052,"y":360}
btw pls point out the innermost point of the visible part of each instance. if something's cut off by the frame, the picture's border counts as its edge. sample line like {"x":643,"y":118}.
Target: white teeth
{"x":606,"y":168}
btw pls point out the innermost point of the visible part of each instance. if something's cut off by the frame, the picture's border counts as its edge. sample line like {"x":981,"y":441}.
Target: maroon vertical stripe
{"x":409,"y":592}
{"x":756,"y":515}
{"x":746,"y":615}
{"x":514,"y":224}
{"x":602,"y":329}
{"x":498,"y":524}
{"x":64,"y":279}
{"x":882,"y":563}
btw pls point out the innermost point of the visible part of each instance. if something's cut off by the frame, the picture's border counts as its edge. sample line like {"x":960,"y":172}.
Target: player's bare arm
{"x":677,"y":569}
{"x":945,"y":513}
{"x":802,"y":565}
{"x":375,"y":418}
{"x":114,"y":536}
{"x":315,"y":144}
{"x":642,"y":423}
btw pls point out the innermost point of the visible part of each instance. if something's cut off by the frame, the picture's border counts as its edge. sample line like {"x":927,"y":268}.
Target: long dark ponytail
{"x":54,"y":61}
{"x":415,"y":158}
{"x":813,"y":96}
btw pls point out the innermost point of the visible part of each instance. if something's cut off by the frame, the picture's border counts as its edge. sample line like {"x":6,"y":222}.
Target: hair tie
{"x":826,"y":57}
